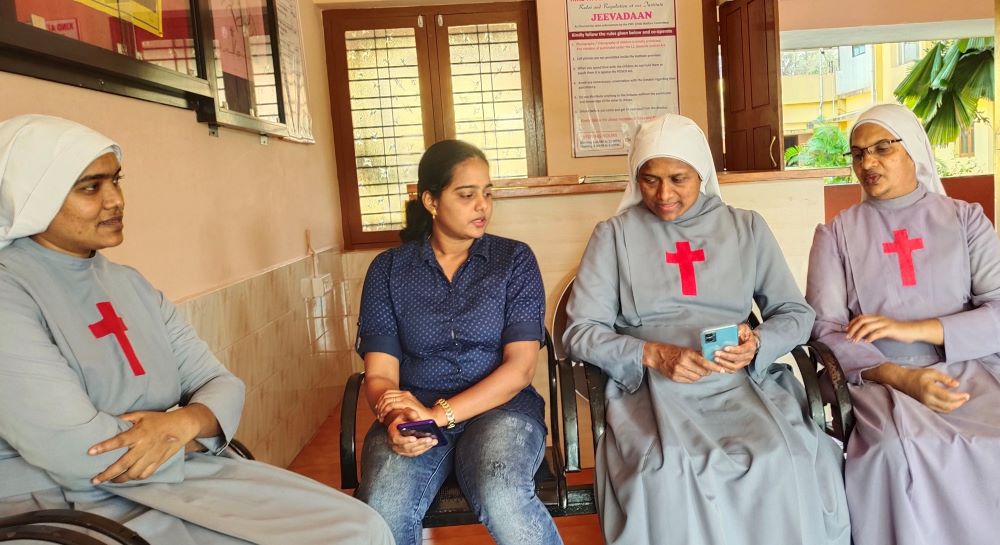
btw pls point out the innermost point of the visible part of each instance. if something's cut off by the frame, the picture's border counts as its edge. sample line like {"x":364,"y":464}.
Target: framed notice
{"x":298,"y":120}
{"x":623,"y":70}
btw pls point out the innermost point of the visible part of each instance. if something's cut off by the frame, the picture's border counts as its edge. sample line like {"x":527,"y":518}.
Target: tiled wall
{"x":293,"y":353}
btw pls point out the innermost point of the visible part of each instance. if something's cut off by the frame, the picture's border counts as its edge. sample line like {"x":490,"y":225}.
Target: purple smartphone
{"x":421,"y":429}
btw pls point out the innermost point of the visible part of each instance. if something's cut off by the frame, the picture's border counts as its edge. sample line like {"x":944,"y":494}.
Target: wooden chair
{"x":834,"y":391}
{"x":817,"y":366}
{"x":450,"y":507}
{"x":66,"y":526}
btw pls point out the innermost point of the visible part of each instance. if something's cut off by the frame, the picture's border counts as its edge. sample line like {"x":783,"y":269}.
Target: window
{"x":967,"y":142}
{"x":907,"y":52}
{"x":224,"y":68}
{"x":858,"y":50}
{"x":402,"y":79}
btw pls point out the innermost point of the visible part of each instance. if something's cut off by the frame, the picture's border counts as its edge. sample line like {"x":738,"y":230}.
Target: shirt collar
{"x":480,"y":247}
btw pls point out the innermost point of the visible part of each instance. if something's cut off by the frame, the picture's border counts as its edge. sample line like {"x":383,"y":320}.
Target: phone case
{"x":423,"y":428}
{"x":714,"y":339}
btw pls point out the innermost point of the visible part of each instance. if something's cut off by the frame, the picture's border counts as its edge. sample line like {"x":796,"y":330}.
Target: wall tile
{"x":356,"y":263}
{"x":260,"y":331}
{"x":353,"y":293}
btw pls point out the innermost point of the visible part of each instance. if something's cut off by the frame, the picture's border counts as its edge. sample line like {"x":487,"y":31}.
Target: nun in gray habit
{"x":94,"y":360}
{"x":714,"y":452}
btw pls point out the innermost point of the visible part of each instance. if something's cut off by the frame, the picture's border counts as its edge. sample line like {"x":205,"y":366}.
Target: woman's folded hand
{"x":397,"y":400}
{"x":677,"y":363}
{"x":153,"y":438}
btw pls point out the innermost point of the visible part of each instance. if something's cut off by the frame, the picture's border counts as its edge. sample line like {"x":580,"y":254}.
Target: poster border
{"x":569,"y":66}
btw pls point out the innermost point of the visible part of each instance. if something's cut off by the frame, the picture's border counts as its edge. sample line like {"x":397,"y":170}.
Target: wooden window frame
{"x":41,"y":54}
{"x":435,"y":91}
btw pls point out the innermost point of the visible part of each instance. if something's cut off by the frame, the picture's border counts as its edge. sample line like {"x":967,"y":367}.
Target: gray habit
{"x":731,"y":459}
{"x":63,"y":381}
{"x":915,"y":476}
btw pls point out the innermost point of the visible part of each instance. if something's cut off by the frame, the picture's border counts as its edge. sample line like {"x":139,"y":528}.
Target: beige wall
{"x":203,"y":212}
{"x":555,"y":85}
{"x":810,"y":14}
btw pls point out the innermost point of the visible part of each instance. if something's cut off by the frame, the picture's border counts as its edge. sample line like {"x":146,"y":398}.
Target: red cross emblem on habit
{"x":904,"y":246}
{"x":685,"y":259}
{"x":112,"y":324}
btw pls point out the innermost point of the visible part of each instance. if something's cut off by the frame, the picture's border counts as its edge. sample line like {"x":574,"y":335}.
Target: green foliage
{"x":792,"y":156}
{"x":944,"y":87}
{"x":826,"y":148}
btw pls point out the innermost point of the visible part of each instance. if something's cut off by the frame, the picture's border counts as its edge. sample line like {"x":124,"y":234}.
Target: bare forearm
{"x":888,"y":373}
{"x":375,"y":386}
{"x":497,"y":388}
{"x":930,"y":331}
{"x":202,"y":419}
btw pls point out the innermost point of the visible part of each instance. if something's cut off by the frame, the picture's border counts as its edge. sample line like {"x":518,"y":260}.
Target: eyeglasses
{"x":880,"y":149}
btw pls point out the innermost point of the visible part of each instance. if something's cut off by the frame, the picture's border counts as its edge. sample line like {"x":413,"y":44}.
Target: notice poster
{"x":623,"y":69}
{"x":298,"y":121}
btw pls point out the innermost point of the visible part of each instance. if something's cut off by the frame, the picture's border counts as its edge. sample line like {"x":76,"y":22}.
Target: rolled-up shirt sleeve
{"x":377,"y":328}
{"x":524,"y":310}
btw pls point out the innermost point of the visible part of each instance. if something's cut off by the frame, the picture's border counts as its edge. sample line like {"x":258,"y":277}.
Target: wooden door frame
{"x":713,"y":79}
{"x":711,"y":32}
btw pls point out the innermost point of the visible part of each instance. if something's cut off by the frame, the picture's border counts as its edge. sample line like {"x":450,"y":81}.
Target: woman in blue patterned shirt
{"x":450,"y":328}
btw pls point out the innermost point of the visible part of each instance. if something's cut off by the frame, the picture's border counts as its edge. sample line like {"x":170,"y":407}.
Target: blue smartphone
{"x":714,"y":339}
{"x":421,"y":429}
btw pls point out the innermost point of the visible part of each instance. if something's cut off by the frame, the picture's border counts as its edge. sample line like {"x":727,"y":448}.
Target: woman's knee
{"x":497,"y":462}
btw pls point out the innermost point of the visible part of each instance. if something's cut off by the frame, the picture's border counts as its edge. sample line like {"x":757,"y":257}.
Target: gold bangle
{"x":448,"y":413}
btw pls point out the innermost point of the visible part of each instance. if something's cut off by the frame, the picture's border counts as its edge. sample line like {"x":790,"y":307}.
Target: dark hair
{"x":434,"y":174}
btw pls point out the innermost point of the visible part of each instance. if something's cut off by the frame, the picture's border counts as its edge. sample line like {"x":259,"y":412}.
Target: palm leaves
{"x":944,"y":87}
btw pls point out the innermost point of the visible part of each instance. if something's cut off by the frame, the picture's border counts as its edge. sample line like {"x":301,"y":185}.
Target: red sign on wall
{"x":65,"y":27}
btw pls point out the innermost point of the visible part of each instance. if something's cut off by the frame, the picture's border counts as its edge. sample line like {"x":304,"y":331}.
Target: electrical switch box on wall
{"x":317,"y":286}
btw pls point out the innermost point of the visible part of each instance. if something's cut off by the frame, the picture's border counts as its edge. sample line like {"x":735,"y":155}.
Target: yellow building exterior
{"x":866,"y":77}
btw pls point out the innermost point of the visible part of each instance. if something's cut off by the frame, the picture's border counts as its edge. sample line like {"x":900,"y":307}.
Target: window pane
{"x":244,"y":64}
{"x":486,"y":89}
{"x":158,"y":32}
{"x":388,"y":121}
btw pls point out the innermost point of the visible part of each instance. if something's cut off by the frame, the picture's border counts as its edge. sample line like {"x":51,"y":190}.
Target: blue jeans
{"x":494,"y":457}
